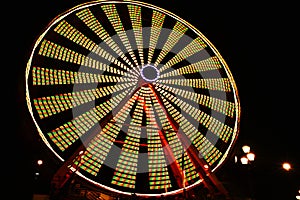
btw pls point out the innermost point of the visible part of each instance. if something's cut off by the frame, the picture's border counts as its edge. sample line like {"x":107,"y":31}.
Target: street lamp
{"x":250,"y":156}
{"x":247,"y":156}
{"x":298,"y":196}
{"x":244,"y":160}
{"x":39,"y":162}
{"x":246,"y":149}
{"x":286,"y":166}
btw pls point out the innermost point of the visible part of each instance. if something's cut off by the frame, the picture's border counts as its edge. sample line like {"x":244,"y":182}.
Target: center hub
{"x":149,"y":73}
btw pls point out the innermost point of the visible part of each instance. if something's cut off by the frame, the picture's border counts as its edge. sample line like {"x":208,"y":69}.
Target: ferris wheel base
{"x":73,"y":187}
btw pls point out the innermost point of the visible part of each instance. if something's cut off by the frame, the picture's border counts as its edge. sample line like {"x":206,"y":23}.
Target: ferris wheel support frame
{"x":210,"y":180}
{"x":67,"y":171}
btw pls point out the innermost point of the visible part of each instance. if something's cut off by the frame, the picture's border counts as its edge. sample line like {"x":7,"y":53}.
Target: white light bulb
{"x":246,"y":149}
{"x":244,"y":160}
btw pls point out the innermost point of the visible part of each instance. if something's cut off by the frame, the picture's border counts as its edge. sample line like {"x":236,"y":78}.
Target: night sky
{"x":260,"y":45}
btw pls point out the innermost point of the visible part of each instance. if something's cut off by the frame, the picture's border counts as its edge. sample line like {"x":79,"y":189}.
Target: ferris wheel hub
{"x":149,"y":73}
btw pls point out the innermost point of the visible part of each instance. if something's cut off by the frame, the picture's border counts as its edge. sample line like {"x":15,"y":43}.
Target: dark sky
{"x":260,"y":45}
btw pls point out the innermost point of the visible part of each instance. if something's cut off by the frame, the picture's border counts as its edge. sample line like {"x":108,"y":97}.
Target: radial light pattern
{"x":143,"y":92}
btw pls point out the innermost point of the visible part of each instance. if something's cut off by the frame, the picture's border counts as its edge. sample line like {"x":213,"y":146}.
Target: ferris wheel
{"x":132,"y":97}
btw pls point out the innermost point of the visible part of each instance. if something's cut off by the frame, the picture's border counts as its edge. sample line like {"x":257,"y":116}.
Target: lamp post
{"x":298,"y":195}
{"x":246,"y":157}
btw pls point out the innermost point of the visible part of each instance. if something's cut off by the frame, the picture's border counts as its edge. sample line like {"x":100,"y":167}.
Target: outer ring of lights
{"x":34,"y":100}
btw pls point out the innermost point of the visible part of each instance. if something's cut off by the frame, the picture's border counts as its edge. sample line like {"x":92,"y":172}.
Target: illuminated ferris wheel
{"x":132,"y":97}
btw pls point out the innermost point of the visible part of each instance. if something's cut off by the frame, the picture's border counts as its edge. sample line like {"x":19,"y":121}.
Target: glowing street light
{"x":246,"y":149}
{"x":298,"y":196}
{"x":248,"y":156}
{"x":244,"y":160}
{"x":286,"y":166}
{"x":40,"y":162}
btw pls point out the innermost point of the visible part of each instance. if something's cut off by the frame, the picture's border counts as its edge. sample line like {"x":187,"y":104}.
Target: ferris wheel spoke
{"x":52,"y":105}
{"x":157,"y":158}
{"x":92,"y":22}
{"x":52,"y":77}
{"x":188,"y":129}
{"x":131,"y":149}
{"x":222,"y":106}
{"x":80,"y":125}
{"x":79,"y":38}
{"x":113,"y":16}
{"x":156,"y":27}
{"x":100,"y":146}
{"x":218,"y":128}
{"x":175,"y":35}
{"x":193,"y":47}
{"x":136,"y":21}
{"x":219,"y":84}
{"x":174,"y":150}
{"x":208,"y":64}
{"x":168,"y":151}
{"x":196,"y":156}
{"x":56,"y":51}
{"x":177,"y":121}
